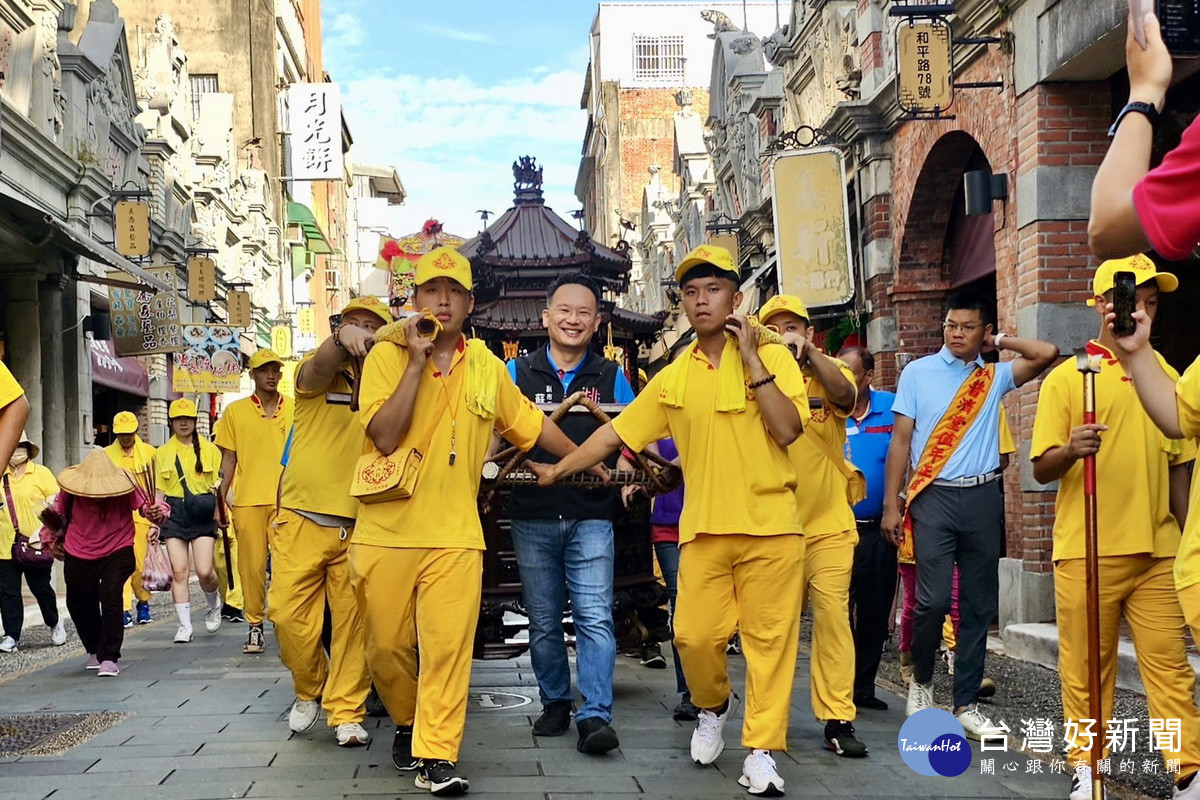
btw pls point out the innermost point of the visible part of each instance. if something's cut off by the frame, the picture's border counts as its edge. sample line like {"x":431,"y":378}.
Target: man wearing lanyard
{"x":873,"y":581}
{"x":563,"y":535}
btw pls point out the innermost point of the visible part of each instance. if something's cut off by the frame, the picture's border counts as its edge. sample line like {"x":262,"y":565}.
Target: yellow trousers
{"x":828,"y":562}
{"x":430,"y":595}
{"x":1140,"y":588}
{"x":133,"y":586}
{"x":311,"y":567}
{"x":252,"y":524}
{"x":231,"y":597}
{"x":752,"y":584}
{"x":1189,"y":601}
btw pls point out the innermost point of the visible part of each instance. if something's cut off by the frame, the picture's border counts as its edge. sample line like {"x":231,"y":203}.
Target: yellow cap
{"x":182,"y":408}
{"x":125,"y":422}
{"x":718,"y":257}
{"x":263,"y":356}
{"x":369,"y":303}
{"x":643,"y":378}
{"x":780,"y":303}
{"x":1142,"y":268}
{"x":445,"y":262}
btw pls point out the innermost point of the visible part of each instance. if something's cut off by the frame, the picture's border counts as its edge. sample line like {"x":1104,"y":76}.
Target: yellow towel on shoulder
{"x":482,"y":389}
{"x":731,"y":375}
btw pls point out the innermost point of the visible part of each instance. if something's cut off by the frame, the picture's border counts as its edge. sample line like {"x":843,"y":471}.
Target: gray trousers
{"x":963,"y":526}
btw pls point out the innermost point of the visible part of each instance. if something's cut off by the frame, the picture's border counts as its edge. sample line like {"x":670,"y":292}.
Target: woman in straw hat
{"x":94,"y":514}
{"x":27,"y":487}
{"x":187,"y":473}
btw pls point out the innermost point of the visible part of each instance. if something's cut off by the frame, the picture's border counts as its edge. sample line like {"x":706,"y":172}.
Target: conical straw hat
{"x":97,"y":476}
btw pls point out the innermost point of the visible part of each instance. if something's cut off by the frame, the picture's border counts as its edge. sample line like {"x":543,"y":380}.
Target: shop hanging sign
{"x":281,"y":340}
{"x":145,"y":322}
{"x":212,"y":361}
{"x":925,"y":66}
{"x":131,"y":221}
{"x":306,"y":319}
{"x":241,"y":315}
{"x":812,"y":226}
{"x":202,"y":279}
{"x":727,"y":240}
{"x":315,"y":131}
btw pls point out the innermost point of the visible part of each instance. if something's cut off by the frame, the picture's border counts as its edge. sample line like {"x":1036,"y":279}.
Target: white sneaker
{"x":58,"y":634}
{"x":707,"y":742}
{"x":8,"y":645}
{"x":759,"y":775}
{"x":350,"y":734}
{"x":920,"y":697}
{"x":948,"y":657}
{"x":304,"y":715}
{"x":1081,"y":784}
{"x":183,"y":634}
{"x":977,"y":725}
{"x":1190,"y":793}
{"x":212,"y":619}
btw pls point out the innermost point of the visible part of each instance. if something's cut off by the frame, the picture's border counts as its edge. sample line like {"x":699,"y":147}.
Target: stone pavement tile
{"x":301,"y":754}
{"x":484,"y":739}
{"x":41,"y":765}
{"x":135,"y":751}
{"x":285,"y":786}
{"x":472,"y":768}
{"x":1037,"y":788}
{"x":224,"y":762}
{"x":78,"y":785}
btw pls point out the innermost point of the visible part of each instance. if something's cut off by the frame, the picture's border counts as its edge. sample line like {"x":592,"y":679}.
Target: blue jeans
{"x":557,"y":556}
{"x":668,"y":561}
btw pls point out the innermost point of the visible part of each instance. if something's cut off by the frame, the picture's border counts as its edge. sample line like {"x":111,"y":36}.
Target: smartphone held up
{"x":1178,"y":19}
{"x":1124,"y":303}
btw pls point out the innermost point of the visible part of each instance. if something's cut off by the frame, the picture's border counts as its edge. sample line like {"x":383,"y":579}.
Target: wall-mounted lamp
{"x":981,"y":188}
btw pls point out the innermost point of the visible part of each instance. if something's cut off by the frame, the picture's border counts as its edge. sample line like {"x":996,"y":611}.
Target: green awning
{"x":302,"y":215}
{"x":301,"y":261}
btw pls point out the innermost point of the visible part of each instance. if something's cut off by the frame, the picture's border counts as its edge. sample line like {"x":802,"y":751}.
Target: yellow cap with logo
{"x":718,"y":257}
{"x":263,"y":356}
{"x":369,"y":303}
{"x":780,"y":303}
{"x":182,"y":408}
{"x":444,"y":262}
{"x":125,"y":422}
{"x":1143,"y":269}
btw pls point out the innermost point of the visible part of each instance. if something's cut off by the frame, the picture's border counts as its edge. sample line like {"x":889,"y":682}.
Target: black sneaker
{"x":596,"y":736}
{"x":686,"y":711}
{"x":232,"y":614}
{"x":870,"y":702}
{"x":375,"y":706}
{"x":734,"y":648}
{"x":440,"y":778}
{"x":555,"y":719}
{"x":652,"y":656}
{"x":839,"y":737}
{"x":254,"y":640}
{"x":402,"y":755}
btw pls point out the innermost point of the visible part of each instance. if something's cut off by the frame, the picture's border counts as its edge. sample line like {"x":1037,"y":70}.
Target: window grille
{"x":658,"y":58}
{"x":201,"y":84}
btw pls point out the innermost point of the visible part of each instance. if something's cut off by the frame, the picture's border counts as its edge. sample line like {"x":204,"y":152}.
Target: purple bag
{"x":25,"y":552}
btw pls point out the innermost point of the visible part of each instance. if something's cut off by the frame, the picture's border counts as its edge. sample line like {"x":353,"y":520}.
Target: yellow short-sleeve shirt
{"x":1007,"y":445}
{"x":29,"y":493}
{"x":442,"y":512}
{"x":326,"y":445}
{"x":738,"y":479}
{"x":820,"y":485}
{"x":9,"y":388}
{"x":258,"y":441}
{"x":1187,"y":400}
{"x":1132,"y":485}
{"x":206,"y":480}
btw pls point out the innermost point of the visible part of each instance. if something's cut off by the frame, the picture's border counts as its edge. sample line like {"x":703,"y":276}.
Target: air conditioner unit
{"x":333,"y":279}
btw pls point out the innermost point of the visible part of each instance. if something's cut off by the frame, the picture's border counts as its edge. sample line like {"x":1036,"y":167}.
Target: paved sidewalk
{"x":206,"y":721}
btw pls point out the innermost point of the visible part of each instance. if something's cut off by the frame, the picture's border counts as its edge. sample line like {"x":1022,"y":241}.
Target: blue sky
{"x":452,"y":93}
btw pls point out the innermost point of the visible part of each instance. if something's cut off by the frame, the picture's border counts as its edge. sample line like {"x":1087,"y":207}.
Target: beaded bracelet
{"x":763,"y":382}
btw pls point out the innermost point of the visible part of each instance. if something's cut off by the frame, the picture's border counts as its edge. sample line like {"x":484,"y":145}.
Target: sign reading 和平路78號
{"x":812,"y":226}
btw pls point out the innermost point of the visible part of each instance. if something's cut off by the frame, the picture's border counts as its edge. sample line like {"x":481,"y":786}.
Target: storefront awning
{"x":39,"y":226}
{"x":123,"y":374}
{"x":315,"y":241}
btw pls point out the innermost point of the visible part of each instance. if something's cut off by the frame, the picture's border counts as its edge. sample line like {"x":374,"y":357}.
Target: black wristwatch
{"x":335,"y":327}
{"x":1135,"y":107}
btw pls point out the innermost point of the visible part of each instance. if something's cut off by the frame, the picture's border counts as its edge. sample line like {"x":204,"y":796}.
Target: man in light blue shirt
{"x":959,"y":517}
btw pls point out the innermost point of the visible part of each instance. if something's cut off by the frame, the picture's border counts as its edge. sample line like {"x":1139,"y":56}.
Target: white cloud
{"x":453,"y":140}
{"x":454,"y":34}
{"x":344,"y":33}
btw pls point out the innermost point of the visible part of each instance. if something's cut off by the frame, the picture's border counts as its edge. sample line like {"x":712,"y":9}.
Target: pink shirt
{"x":1167,"y":200}
{"x":99,"y":526}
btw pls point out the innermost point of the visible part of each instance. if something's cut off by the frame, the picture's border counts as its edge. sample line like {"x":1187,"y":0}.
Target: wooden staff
{"x":1089,"y":365}
{"x":356,"y":366}
{"x":223,"y":524}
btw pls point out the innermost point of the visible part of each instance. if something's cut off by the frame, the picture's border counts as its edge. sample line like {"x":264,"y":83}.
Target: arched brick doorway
{"x":941,"y":249}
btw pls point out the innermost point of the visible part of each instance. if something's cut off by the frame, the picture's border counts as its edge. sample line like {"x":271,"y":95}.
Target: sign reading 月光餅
{"x":812,"y":226}
{"x":314,"y":131}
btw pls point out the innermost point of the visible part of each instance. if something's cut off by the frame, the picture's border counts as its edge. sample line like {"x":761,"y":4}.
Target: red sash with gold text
{"x":943,"y":442}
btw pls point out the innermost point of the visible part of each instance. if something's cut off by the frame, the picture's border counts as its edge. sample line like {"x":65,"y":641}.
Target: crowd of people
{"x":360,"y":493}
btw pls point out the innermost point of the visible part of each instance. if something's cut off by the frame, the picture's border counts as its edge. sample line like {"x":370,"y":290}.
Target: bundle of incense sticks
{"x":145,"y":479}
